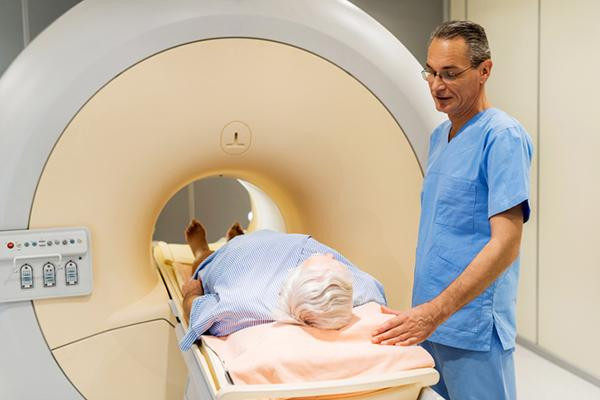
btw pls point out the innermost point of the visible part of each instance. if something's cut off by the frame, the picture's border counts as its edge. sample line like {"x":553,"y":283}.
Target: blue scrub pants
{"x":474,"y":375}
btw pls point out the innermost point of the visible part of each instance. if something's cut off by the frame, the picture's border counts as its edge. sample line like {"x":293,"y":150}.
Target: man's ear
{"x":485,"y":69}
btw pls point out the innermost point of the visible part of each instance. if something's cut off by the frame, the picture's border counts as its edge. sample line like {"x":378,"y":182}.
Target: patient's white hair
{"x":319,"y":295}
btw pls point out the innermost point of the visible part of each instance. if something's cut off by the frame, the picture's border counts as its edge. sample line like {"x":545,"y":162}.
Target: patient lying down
{"x":295,"y":296}
{"x":264,"y":276}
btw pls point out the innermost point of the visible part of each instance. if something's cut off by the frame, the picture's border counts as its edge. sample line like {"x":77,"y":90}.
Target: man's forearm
{"x":492,"y":260}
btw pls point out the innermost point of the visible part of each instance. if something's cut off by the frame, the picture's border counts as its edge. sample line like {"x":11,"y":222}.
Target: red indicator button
{"x":10,"y":245}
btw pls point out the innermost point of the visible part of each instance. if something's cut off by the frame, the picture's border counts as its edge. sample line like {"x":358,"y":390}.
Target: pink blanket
{"x":283,"y":353}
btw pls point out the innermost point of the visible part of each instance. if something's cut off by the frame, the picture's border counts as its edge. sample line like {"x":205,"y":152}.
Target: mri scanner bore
{"x":312,"y":177}
{"x":112,"y":131}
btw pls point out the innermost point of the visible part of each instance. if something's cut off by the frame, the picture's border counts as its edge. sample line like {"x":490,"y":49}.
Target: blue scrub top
{"x":482,"y":171}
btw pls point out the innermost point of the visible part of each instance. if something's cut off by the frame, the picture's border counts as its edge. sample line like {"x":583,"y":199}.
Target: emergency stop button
{"x":10,"y":245}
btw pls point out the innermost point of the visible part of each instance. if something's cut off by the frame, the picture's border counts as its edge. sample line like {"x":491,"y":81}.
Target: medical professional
{"x":473,"y":206}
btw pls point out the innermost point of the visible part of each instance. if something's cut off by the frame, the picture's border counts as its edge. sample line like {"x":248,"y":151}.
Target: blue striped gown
{"x":243,"y":278}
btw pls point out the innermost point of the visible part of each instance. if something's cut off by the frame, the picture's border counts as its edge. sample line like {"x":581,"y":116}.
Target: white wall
{"x":11,"y":32}
{"x":569,"y":320}
{"x":22,"y":20}
{"x":410,"y":21}
{"x":543,"y":51}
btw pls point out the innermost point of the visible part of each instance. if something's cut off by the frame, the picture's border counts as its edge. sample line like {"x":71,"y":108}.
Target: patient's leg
{"x":235,"y":230}
{"x":195,"y":235}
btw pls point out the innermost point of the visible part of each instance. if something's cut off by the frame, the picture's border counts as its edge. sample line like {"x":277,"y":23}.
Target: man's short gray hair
{"x":473,"y":34}
{"x":318,"y":295}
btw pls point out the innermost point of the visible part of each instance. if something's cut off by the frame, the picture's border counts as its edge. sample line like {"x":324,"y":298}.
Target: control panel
{"x":45,"y":263}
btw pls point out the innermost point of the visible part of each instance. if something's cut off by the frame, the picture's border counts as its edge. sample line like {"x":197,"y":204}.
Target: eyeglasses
{"x":445,"y":75}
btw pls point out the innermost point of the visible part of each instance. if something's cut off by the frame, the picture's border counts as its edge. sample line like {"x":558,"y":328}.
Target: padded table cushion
{"x":286,"y":353}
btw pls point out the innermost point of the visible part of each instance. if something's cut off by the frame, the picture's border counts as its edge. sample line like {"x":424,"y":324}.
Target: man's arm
{"x":417,"y":324}
{"x":190,"y":290}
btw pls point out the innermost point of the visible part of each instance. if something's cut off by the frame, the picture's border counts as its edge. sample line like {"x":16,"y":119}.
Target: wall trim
{"x":25,"y":19}
{"x":191,"y":200}
{"x":538,"y":177}
{"x":446,"y":10}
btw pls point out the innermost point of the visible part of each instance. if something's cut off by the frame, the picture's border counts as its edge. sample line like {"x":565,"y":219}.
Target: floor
{"x":539,"y":379}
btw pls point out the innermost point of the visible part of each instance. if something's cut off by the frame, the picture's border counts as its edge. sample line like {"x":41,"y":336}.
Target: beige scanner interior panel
{"x":135,"y":358}
{"x":322,"y":147}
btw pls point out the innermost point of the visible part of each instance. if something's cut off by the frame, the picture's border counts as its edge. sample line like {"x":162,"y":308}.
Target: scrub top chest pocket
{"x":456,"y":204}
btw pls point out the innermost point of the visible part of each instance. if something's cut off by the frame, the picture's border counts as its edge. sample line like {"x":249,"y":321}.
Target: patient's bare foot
{"x":235,"y":230}
{"x":195,"y":235}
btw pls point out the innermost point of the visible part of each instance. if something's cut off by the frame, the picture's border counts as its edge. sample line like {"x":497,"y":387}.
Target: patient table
{"x":209,"y":379}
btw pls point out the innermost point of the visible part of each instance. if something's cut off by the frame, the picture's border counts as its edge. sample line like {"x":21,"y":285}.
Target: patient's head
{"x":317,"y":293}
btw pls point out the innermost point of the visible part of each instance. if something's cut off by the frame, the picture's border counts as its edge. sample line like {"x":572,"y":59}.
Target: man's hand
{"x":408,"y":327}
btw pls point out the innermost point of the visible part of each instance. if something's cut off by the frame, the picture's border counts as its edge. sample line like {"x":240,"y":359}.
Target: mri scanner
{"x":119,"y":104}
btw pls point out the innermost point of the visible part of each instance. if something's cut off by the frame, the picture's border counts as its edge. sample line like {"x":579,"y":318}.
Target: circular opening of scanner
{"x":218,"y":202}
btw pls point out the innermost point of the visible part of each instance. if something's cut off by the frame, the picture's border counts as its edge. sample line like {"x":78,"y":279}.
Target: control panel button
{"x":10,"y":245}
{"x":26,"y":276}
{"x":49,"y":274}
{"x":71,"y":273}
